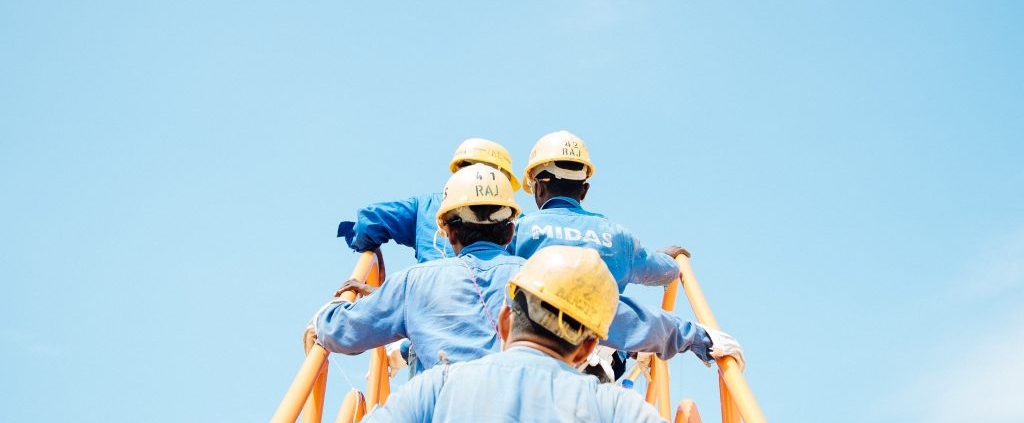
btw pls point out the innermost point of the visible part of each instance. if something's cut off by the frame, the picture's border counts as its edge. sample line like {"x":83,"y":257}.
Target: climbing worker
{"x":556,"y":175}
{"x":411,"y":222}
{"x":451,"y":304}
{"x":558,"y":307}
{"x":446,"y":304}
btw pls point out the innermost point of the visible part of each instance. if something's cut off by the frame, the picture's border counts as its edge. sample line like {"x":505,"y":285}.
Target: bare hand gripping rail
{"x":313,"y":373}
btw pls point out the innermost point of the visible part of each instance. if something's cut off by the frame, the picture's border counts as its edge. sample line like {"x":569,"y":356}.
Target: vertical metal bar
{"x":658,"y":393}
{"x":664,"y":399}
{"x":353,"y":407}
{"x":652,"y":386}
{"x":730,"y":414}
{"x":378,"y":385}
{"x":385,"y":378}
{"x":373,"y":379}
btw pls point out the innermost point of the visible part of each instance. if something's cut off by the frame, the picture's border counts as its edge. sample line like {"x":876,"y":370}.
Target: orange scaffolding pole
{"x":353,"y":407}
{"x":731,"y":374}
{"x":298,"y":394}
{"x":658,"y":393}
{"x":687,"y":412}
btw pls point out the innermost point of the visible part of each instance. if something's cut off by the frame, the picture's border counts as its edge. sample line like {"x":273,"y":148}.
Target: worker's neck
{"x":540,"y":346}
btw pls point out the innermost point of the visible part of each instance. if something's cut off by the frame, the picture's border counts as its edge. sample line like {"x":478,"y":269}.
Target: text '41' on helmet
{"x":479,"y":150}
{"x":477,"y":185}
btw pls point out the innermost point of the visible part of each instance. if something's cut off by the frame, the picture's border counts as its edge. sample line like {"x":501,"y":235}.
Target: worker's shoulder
{"x":446,"y":264}
{"x":512,"y":361}
{"x":434,"y":265}
{"x":561,"y":214}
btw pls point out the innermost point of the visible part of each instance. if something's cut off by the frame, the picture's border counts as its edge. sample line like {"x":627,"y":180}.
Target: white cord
{"x":480,"y":293}
{"x":342,"y":370}
{"x":440,"y":250}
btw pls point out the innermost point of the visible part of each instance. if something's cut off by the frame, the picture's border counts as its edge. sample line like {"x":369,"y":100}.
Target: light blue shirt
{"x":562,"y":221}
{"x":437,"y":305}
{"x":411,"y":222}
{"x":520,"y":384}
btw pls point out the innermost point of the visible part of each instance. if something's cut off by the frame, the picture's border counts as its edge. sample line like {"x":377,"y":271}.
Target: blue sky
{"x":847,"y":175}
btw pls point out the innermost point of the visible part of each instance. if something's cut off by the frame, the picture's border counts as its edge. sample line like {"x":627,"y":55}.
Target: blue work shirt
{"x":411,"y":222}
{"x":520,"y":384}
{"x":562,"y":221}
{"x":437,"y":305}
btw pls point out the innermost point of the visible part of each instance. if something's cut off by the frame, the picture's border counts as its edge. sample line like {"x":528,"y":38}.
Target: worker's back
{"x":518,"y":385}
{"x":562,"y":221}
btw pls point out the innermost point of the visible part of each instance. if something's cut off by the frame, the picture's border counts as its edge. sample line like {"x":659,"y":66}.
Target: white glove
{"x":644,"y":359}
{"x":395,"y":360}
{"x":601,"y":356}
{"x":723,"y":344}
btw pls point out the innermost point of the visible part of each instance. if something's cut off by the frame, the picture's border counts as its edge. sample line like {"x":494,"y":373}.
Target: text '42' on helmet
{"x":479,"y":150}
{"x":553,"y":147}
{"x":573,"y":280}
{"x":477,"y":185}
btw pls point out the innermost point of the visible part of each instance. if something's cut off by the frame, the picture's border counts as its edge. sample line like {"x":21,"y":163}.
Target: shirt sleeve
{"x":371,"y":321}
{"x":644,"y":329}
{"x":651,"y":268}
{"x":379,"y":223}
{"x":412,"y":403}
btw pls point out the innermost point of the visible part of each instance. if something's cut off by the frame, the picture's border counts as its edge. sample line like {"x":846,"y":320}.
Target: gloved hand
{"x":601,"y":357}
{"x":723,"y":344}
{"x":644,"y":360}
{"x":395,"y":360}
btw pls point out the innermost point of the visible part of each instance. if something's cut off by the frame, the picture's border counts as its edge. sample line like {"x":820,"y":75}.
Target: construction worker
{"x":446,"y":304}
{"x":559,"y":305}
{"x":411,"y":222}
{"x":556,"y":175}
{"x":451,"y":304}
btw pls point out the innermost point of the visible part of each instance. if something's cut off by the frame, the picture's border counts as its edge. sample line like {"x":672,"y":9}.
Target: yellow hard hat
{"x":479,"y":150}
{"x":576,"y":282}
{"x":558,"y":146}
{"x":474,"y":185}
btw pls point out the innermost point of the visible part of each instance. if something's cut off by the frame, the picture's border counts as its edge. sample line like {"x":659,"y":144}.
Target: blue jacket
{"x":562,"y":221}
{"x":437,"y":306}
{"x":520,"y":384}
{"x":411,"y":222}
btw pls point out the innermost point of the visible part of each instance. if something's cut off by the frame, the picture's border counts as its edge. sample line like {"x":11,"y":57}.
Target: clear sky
{"x":848,"y":175}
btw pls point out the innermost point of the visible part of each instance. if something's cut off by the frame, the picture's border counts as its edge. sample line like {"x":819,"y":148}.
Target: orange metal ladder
{"x":306,"y":393}
{"x":737,"y":399}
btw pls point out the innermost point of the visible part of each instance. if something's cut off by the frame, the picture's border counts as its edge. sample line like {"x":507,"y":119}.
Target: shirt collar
{"x":561,"y":203}
{"x":480,"y":246}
